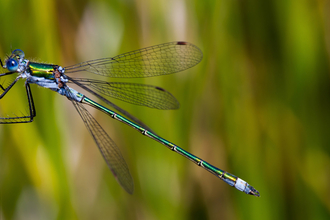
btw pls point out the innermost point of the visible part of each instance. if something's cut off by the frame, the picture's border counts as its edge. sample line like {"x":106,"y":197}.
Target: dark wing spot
{"x":181,"y":43}
{"x":161,"y":89}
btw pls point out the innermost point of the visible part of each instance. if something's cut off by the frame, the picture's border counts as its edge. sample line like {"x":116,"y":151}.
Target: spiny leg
{"x":5,"y":90}
{"x":31,"y":102}
{"x":20,"y":119}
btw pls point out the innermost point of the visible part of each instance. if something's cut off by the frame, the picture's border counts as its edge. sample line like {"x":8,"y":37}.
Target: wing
{"x":108,"y":148}
{"x":127,"y":114}
{"x":134,"y":93}
{"x":156,"y":60}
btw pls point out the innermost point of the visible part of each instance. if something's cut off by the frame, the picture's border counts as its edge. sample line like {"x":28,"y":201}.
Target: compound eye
{"x":18,"y":53}
{"x":12,"y":65}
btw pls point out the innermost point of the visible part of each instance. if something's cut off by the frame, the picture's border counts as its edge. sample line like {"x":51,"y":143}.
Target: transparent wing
{"x":108,"y":148}
{"x":134,"y":93}
{"x":156,"y":60}
{"x":122,"y":111}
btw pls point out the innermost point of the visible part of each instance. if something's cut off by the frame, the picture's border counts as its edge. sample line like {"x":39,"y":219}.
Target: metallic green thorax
{"x":41,"y":70}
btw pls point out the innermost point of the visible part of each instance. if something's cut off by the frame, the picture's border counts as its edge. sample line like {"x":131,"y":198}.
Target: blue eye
{"x":12,"y":65}
{"x":18,"y":53}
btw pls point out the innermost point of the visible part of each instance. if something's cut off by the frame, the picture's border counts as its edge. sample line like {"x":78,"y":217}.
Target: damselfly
{"x":151,"y":61}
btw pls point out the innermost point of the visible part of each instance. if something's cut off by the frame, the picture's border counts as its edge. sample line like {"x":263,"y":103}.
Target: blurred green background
{"x":257,"y":105}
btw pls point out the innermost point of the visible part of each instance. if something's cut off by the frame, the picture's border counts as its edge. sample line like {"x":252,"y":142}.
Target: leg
{"x":31,"y":103}
{"x":5,"y":90}
{"x":20,"y":119}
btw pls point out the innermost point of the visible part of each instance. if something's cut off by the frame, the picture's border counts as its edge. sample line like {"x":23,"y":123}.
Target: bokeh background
{"x":257,"y":106}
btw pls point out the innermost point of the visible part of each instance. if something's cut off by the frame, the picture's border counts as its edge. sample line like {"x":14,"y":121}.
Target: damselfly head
{"x":14,"y":60}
